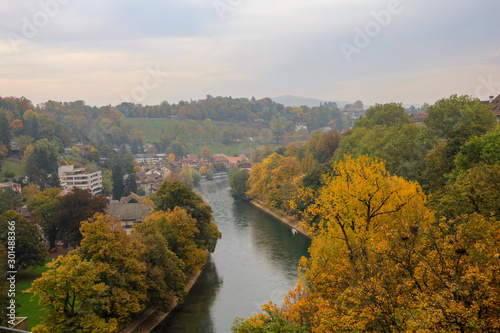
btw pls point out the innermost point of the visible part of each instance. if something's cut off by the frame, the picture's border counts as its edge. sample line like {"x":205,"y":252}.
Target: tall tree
{"x":5,"y":128}
{"x":9,"y":200}
{"x":28,"y":246}
{"x":206,"y":152}
{"x":43,"y":208}
{"x":118,"y":185}
{"x":74,"y":208}
{"x":40,"y":161}
{"x":238,"y":182}
{"x":176,"y":194}
{"x":450,"y":114}
{"x":389,"y":114}
{"x":72,"y":293}
{"x":165,"y":278}
{"x":106,"y":243}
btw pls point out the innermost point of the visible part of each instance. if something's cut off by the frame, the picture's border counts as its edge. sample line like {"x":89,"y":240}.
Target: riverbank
{"x":152,"y":317}
{"x":289,"y":220}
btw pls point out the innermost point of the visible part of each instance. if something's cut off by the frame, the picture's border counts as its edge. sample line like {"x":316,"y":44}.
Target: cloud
{"x":98,"y":50}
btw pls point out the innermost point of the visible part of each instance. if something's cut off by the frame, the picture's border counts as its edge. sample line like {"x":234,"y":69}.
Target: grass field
{"x":153,"y":129}
{"x":13,"y":165}
{"x":29,"y":308}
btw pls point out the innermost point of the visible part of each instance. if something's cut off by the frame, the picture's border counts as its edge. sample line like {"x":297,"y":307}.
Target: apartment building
{"x":77,"y":177}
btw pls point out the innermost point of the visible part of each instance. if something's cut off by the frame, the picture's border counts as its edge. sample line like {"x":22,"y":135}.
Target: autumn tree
{"x":176,"y":194}
{"x":179,"y":232}
{"x":72,"y":294}
{"x":381,"y":262}
{"x":29,"y":248}
{"x":165,"y":278}
{"x":205,"y":152}
{"x":186,"y":176}
{"x":106,"y":243}
{"x":308,"y":161}
{"x":73,"y":208}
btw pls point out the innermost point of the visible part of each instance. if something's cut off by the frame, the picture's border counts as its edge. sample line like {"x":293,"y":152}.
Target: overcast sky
{"x":109,"y":51}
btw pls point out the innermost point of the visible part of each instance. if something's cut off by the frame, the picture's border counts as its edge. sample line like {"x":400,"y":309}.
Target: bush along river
{"x":255,"y":262}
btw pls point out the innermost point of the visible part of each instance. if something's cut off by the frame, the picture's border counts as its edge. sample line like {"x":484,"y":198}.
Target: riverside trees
{"x":113,"y":276}
{"x":382,"y":261}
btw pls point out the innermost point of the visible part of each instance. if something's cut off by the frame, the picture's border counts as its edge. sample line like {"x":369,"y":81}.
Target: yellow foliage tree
{"x":381,"y":262}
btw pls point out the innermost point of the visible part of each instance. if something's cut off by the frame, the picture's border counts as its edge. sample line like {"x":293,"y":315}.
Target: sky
{"x":149,"y":51}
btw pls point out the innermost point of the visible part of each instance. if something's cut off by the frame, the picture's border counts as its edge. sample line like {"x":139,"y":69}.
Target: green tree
{"x":450,"y":114}
{"x":484,"y":149}
{"x":29,"y":248}
{"x":9,"y":200}
{"x":40,"y":161}
{"x":118,"y":185}
{"x":43,"y":207}
{"x":130,"y":184}
{"x":5,"y":128}
{"x":389,"y":114}
{"x":238,"y":182}
{"x":176,"y":194}
{"x":474,"y":191}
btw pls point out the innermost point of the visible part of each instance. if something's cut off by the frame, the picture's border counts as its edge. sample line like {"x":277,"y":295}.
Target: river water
{"x":255,"y":261}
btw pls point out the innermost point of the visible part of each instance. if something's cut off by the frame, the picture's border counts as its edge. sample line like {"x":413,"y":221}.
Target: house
{"x":129,"y":213}
{"x":131,"y":196}
{"x":219,"y":158}
{"x":300,"y":126}
{"x":15,"y":186}
{"x":245,"y":165}
{"x":235,"y":160}
{"x":77,"y":177}
{"x":418,"y":119}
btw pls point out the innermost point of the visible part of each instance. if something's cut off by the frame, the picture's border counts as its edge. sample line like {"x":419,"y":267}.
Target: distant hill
{"x":290,"y":100}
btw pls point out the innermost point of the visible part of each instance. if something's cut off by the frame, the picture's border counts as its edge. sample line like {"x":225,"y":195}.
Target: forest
{"x":404,"y":221}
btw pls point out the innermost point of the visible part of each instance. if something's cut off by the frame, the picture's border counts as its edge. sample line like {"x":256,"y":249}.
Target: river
{"x":255,"y":261}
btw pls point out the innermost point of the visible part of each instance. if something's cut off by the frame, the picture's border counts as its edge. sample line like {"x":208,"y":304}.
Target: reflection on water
{"x":255,"y":261}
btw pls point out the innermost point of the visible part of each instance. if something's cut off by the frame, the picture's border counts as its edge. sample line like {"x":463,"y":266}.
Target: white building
{"x":71,"y":177}
{"x":148,"y":158}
